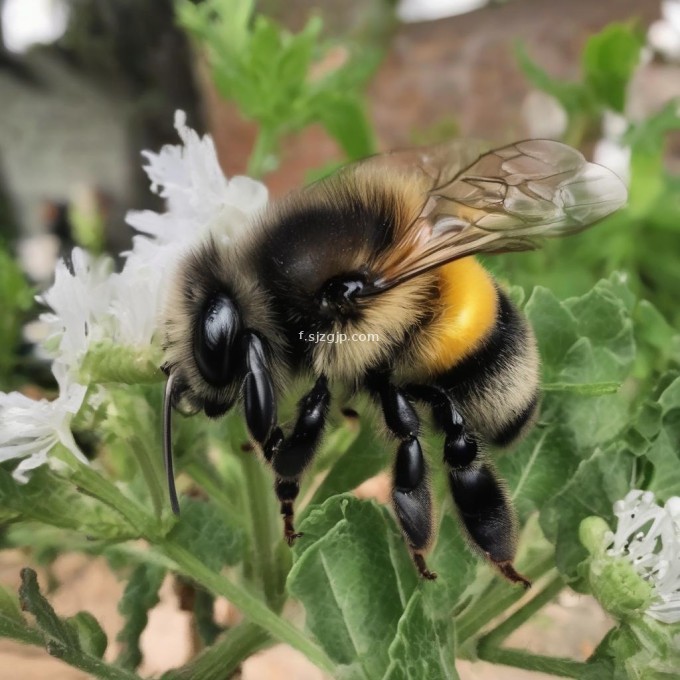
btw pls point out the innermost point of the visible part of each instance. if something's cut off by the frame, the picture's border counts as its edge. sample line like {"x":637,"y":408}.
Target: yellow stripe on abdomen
{"x":469,"y":303}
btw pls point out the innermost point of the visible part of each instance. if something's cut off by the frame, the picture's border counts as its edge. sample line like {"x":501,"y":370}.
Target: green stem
{"x":495,"y":637}
{"x":21,"y":632}
{"x":259,"y":497}
{"x":225,"y":656}
{"x":152,"y":472}
{"x":584,"y":389}
{"x":264,"y":148}
{"x":96,"y":485}
{"x":251,"y":607}
{"x":208,"y":480}
{"x":565,"y":668}
{"x":496,"y":600}
{"x":89,"y":664}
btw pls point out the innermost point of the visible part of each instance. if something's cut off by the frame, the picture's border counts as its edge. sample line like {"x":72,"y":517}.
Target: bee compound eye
{"x":217,"y":330}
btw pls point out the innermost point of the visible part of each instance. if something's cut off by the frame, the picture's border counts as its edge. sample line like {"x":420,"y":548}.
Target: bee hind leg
{"x":480,"y":498}
{"x":289,"y":456}
{"x":411,"y":497}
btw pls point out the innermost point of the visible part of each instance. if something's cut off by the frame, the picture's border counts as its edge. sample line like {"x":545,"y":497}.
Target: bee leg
{"x":259,"y":402}
{"x":291,"y":455}
{"x":410,"y":493}
{"x":480,"y":497}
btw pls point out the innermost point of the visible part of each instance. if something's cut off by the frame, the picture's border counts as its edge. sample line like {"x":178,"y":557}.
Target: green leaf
{"x":539,"y":468}
{"x":670,"y":397}
{"x":593,"y":420}
{"x":62,"y":638}
{"x":348,"y":579}
{"x":422,"y":647}
{"x":609,"y":59}
{"x":642,"y":650}
{"x":140,"y":596}
{"x":665,"y":457}
{"x":555,"y":327}
{"x":603,"y":316}
{"x":366,"y":456}
{"x":204,"y":531}
{"x":592,"y":490}
{"x":91,"y":637}
{"x":345,"y":120}
{"x":48,"y":499}
{"x":269,"y":73}
{"x":9,"y":606}
{"x":33,"y":602}
{"x":455,"y":565}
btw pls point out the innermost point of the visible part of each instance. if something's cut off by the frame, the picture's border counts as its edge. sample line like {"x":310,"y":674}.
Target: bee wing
{"x":508,"y":199}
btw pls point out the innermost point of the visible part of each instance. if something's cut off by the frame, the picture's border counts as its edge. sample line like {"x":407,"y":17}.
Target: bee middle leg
{"x":481,"y":499}
{"x":289,"y":456}
{"x":410,"y":492}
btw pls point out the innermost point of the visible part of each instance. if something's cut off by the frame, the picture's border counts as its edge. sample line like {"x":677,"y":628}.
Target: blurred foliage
{"x":607,"y":64}
{"x":283,"y":81}
{"x":644,"y":240}
{"x":16,"y":301}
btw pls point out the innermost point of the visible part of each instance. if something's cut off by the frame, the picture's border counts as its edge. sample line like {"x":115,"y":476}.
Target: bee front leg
{"x":481,"y":499}
{"x":290,"y":456}
{"x":410,"y":493}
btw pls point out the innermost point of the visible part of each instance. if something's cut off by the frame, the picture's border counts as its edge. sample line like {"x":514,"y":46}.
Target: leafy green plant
{"x":16,"y":300}
{"x":270,"y":74}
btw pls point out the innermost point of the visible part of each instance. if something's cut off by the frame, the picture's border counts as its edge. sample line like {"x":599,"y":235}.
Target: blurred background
{"x":86,"y":85}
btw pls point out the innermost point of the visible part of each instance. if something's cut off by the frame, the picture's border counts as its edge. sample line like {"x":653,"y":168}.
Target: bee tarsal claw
{"x":512,"y":575}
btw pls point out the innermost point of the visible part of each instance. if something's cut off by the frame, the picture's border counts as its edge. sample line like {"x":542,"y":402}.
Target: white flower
{"x":648,"y":537}
{"x":80,"y":300}
{"x":199,"y":200}
{"x":90,"y":303}
{"x":664,"y":35}
{"x":199,"y":197}
{"x":30,"y":429}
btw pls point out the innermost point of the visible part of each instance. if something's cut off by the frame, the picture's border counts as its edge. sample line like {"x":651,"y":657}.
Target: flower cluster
{"x":91,"y":303}
{"x":635,"y":569}
{"x":648,"y":537}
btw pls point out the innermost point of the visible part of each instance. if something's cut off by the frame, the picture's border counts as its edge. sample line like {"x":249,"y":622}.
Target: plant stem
{"x":21,"y":632}
{"x":211,"y":484}
{"x":489,"y":648}
{"x":152,"y":473}
{"x":253,"y":609}
{"x":225,"y":656}
{"x":495,"y":637}
{"x":259,"y":498}
{"x":90,"y":664}
{"x":96,"y":485}
{"x":265,"y":144}
{"x":565,"y":668}
{"x":496,"y":600}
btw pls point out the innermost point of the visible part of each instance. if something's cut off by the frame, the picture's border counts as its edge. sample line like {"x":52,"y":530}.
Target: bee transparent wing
{"x":508,"y":199}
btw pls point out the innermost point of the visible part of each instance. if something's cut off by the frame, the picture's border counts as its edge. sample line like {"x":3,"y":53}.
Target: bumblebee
{"x":385,"y":247}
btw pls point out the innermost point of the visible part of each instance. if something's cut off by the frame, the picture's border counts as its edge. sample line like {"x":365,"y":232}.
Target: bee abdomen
{"x":496,"y":387}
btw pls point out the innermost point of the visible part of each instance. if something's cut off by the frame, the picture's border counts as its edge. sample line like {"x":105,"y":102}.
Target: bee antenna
{"x":167,"y":443}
